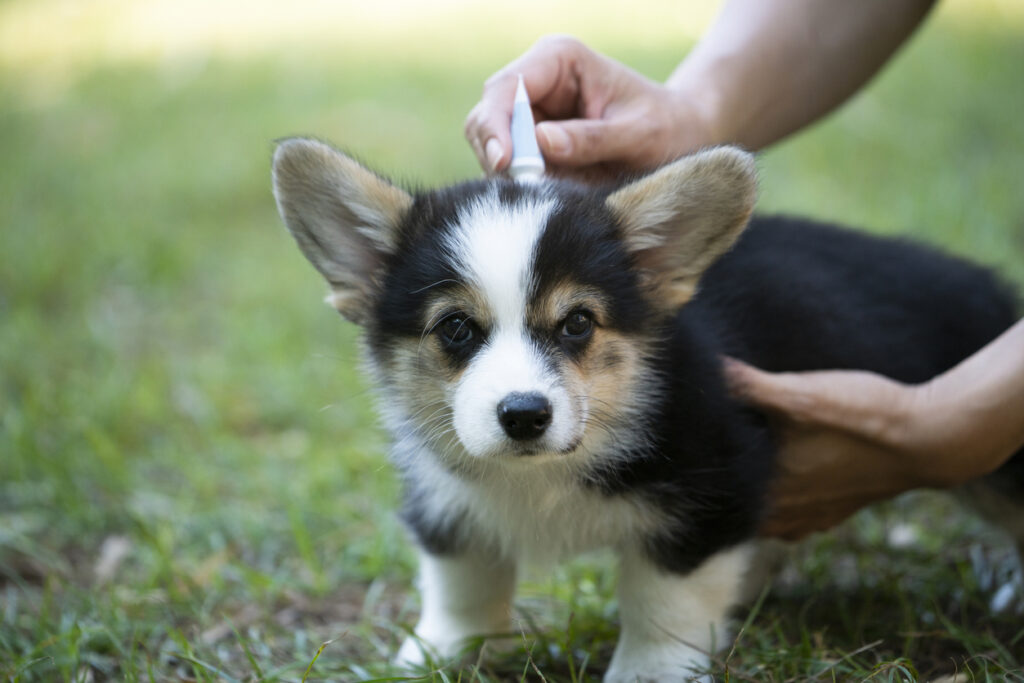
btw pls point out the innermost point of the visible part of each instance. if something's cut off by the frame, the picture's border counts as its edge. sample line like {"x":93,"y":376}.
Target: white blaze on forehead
{"x":493,"y":245}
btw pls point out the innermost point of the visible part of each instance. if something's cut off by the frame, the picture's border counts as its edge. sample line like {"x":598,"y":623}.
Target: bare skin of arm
{"x":765,"y":69}
{"x":852,"y":438}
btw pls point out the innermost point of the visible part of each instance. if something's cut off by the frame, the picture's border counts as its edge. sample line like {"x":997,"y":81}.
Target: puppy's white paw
{"x":411,"y":655}
{"x":422,"y":649}
{"x":657,"y":665}
{"x":417,"y":653}
{"x":672,"y":675}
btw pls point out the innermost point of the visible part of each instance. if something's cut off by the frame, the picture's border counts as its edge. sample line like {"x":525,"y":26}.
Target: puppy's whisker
{"x":435,"y":284}
{"x":433,"y":405}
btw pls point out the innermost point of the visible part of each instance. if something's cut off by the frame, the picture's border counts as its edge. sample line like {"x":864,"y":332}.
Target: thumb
{"x":580,"y":142}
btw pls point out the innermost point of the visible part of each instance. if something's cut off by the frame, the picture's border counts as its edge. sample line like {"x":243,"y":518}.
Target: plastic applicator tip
{"x":527,"y":162}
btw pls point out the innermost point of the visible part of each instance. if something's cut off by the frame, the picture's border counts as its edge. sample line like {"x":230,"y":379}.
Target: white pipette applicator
{"x":527,"y":163}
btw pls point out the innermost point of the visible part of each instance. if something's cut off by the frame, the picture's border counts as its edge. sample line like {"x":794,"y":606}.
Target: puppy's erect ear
{"x":681,"y":218}
{"x":344,"y":217}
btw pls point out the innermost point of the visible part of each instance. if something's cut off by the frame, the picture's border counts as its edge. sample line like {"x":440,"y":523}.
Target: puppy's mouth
{"x":538,"y":450}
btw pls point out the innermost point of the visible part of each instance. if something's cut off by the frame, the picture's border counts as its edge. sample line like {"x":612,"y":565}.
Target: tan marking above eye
{"x":551,"y":311}
{"x":463,"y":300}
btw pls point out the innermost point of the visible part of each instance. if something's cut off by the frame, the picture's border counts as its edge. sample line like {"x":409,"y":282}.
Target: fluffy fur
{"x":551,"y":374}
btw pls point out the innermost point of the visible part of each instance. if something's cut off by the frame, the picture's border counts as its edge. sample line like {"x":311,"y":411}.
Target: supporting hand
{"x":851,"y":438}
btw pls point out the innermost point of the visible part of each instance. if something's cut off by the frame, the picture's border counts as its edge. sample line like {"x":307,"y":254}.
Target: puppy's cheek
{"x":611,"y":369}
{"x":418,"y":383}
{"x":610,"y":376}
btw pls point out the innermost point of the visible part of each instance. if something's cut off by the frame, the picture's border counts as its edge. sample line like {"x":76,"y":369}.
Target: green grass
{"x":172,"y":386}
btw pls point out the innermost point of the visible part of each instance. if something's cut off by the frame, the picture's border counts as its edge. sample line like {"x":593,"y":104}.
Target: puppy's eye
{"x":456,"y":330}
{"x":577,"y":324}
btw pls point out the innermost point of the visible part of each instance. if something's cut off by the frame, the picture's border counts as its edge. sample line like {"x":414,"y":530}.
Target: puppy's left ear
{"x":681,"y":218}
{"x":344,"y":217}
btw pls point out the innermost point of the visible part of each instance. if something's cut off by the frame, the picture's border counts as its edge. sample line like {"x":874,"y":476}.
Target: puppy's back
{"x":797,"y":295}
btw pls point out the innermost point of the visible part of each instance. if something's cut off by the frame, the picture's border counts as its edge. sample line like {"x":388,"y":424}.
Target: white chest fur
{"x":535,"y":510}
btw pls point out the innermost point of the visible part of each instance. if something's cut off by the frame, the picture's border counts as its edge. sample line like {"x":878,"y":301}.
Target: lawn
{"x":193,"y":485}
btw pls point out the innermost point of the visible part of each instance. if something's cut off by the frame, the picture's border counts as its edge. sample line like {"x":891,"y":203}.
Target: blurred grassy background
{"x":191,"y":481}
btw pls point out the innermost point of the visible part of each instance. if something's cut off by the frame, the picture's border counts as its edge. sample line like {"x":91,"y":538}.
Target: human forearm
{"x":766,"y":68}
{"x":980,"y":405}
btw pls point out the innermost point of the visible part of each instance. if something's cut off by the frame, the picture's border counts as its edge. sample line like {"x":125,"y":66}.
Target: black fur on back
{"x":797,"y":295}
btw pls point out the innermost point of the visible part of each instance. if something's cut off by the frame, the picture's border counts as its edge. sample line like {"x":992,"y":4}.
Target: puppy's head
{"x":507,"y":320}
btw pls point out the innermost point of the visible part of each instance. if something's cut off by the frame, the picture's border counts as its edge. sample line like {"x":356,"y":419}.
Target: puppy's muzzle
{"x":524,"y":416}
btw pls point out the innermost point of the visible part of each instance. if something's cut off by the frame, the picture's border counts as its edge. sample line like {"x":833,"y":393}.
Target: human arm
{"x":764,"y":69}
{"x":852,"y":438}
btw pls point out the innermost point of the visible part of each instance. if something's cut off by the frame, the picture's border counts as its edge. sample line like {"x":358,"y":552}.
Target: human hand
{"x":851,"y":438}
{"x":594,"y":114}
{"x":839,"y":448}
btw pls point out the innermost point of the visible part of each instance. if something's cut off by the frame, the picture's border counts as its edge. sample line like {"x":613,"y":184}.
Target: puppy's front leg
{"x":462,"y":596}
{"x":672,"y":622}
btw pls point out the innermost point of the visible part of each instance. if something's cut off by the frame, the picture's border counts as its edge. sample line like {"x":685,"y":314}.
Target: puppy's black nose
{"x":524,"y":416}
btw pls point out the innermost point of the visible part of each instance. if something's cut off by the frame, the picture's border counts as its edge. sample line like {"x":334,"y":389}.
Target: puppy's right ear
{"x":678,"y":220}
{"x":344,"y":218}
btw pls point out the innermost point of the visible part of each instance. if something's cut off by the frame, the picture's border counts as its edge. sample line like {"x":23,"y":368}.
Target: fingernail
{"x":554,"y":139}
{"x":494,"y":152}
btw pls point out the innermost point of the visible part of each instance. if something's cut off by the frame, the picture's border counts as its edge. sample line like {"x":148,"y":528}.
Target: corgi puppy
{"x":548,"y":360}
